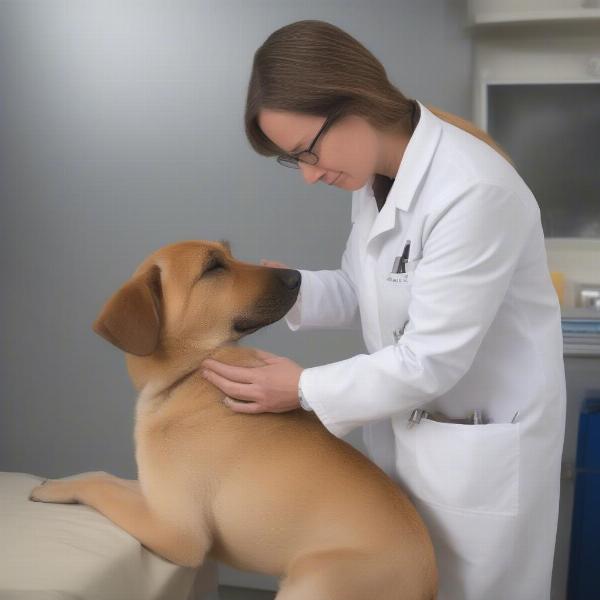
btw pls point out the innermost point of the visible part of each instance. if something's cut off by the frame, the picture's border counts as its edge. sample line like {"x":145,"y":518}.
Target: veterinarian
{"x":461,"y":395}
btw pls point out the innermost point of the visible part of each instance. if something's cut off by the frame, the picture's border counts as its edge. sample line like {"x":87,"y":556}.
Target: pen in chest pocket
{"x":400,"y":261}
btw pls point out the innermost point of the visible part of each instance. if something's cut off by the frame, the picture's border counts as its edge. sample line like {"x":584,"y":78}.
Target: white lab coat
{"x":479,"y":327}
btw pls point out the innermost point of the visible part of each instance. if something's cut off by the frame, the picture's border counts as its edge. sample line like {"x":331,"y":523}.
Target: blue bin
{"x":584,"y":562}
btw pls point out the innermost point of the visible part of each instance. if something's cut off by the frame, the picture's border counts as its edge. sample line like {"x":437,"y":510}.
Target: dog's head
{"x":194,"y":294}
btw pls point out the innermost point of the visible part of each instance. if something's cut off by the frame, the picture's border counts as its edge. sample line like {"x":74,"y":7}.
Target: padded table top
{"x":69,"y":551}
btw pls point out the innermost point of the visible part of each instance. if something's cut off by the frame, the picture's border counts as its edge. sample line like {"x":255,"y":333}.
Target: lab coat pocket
{"x":472,"y":468}
{"x":395,"y":295}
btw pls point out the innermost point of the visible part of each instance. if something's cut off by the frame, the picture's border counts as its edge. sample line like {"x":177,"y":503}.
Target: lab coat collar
{"x":413,"y":166}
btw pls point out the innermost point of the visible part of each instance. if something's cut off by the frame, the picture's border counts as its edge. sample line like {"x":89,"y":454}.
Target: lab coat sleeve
{"x":472,"y":247}
{"x":327,"y":298}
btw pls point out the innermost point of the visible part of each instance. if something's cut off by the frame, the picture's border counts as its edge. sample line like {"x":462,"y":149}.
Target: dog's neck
{"x":178,"y":392}
{"x":160,"y":375}
{"x":169,"y":389}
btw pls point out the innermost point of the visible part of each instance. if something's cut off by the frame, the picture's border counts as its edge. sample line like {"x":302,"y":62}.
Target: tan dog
{"x":274,"y":493}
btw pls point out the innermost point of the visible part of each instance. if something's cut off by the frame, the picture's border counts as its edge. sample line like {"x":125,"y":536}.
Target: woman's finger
{"x":239,"y":391}
{"x":265,"y":355}
{"x":243,"y":407}
{"x":274,"y":264}
{"x":231,"y":372}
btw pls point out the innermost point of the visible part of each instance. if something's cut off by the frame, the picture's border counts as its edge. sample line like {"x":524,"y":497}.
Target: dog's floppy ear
{"x":131,"y":317}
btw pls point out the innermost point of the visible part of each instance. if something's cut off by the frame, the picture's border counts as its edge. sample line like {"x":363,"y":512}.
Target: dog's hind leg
{"x":351,"y":575}
{"x":122,"y":502}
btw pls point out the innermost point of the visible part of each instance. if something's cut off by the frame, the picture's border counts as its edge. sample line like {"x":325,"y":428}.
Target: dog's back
{"x":279,"y":491}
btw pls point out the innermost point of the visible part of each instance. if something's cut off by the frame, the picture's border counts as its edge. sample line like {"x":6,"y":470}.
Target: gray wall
{"x":121,"y":131}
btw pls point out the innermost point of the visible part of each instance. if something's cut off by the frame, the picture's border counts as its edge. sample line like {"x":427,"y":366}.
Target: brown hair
{"x":315,"y":68}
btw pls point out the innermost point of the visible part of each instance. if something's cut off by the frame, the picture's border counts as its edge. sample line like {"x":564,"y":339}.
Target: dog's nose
{"x":290,"y":278}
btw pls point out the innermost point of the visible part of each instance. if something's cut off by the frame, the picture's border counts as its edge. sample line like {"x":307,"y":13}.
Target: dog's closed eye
{"x":214,"y":266}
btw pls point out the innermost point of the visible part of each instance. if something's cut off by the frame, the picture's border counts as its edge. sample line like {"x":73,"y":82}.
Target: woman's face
{"x":347,"y":150}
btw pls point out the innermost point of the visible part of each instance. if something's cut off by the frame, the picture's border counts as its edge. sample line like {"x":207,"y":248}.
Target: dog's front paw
{"x":61,"y":492}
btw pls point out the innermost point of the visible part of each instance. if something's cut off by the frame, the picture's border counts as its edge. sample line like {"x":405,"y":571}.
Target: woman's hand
{"x":274,"y":264}
{"x":269,"y":388}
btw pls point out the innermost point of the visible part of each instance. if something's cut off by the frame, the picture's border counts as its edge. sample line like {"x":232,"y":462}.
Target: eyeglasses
{"x":307,"y":156}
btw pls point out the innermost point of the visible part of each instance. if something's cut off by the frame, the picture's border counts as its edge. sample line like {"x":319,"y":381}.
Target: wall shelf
{"x":588,"y":350}
{"x":535,"y":16}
